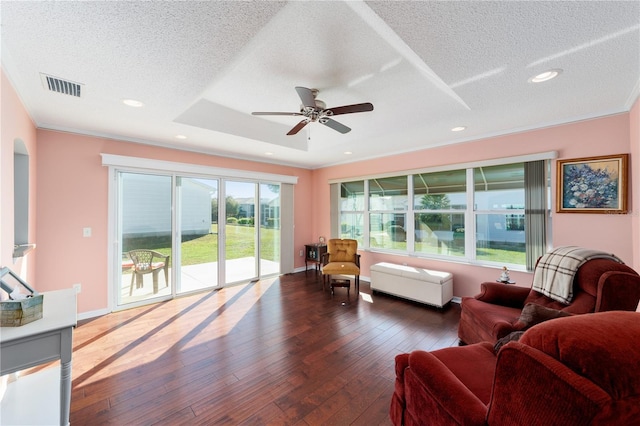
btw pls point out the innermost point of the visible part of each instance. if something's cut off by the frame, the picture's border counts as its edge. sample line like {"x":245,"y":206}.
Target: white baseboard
{"x":93,"y":314}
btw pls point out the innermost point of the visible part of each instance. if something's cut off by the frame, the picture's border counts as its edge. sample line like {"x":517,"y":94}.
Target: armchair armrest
{"x":501,"y":294}
{"x":398,"y":401}
{"x":574,"y":400}
{"x":402,"y":362}
{"x":448,"y":391}
{"x":618,"y":291}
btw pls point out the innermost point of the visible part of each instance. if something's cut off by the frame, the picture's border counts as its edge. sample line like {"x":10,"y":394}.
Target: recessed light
{"x":181,"y":137}
{"x":268,"y":153}
{"x":133,"y":103}
{"x":545,"y":76}
{"x":348,"y":153}
{"x":458,"y":129}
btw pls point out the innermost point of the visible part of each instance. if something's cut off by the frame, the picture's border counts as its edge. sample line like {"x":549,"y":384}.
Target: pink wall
{"x":16,"y":124}
{"x":72,"y":194}
{"x":608,"y":135}
{"x":72,"y":186}
{"x":634,"y":132}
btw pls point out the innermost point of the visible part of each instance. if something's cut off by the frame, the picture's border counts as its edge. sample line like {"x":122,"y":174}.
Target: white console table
{"x":44,"y":340}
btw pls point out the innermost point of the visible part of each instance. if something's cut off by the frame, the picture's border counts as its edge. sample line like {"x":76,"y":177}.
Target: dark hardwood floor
{"x":279,"y":351}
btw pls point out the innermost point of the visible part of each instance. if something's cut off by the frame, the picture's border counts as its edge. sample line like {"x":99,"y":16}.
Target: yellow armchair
{"x":341,"y":258}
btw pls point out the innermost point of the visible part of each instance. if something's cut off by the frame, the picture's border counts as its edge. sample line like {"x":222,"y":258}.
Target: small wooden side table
{"x":313,"y":255}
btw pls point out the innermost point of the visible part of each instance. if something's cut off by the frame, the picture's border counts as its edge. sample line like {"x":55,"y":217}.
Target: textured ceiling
{"x":201,"y":68}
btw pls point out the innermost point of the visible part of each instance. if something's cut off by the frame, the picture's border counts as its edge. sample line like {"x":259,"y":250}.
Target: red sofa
{"x":577,"y":370}
{"x":599,"y":285}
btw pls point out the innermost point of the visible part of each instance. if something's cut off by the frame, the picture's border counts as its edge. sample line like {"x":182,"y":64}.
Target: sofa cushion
{"x":486,"y":322}
{"x":335,"y":268}
{"x":342,"y":250}
{"x":465,"y":362}
{"x":533,"y":314}
{"x":582,"y":302}
{"x":511,"y":337}
{"x":612,"y":347}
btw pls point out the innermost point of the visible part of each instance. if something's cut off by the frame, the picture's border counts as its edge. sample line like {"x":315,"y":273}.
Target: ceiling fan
{"x":313,"y":110}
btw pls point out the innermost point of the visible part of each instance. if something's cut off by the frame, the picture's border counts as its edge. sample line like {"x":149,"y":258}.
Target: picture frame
{"x":592,"y":184}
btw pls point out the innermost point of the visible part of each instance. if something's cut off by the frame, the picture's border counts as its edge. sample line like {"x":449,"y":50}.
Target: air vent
{"x":59,"y":85}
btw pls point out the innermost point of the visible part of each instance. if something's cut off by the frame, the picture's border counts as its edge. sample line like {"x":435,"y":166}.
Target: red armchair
{"x":599,"y":285}
{"x":578,"y":370}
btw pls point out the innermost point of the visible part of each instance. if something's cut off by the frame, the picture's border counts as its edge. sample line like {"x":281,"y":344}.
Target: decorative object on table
{"x":22,"y":308}
{"x":504,"y":277}
{"x":321,"y":241}
{"x":592,"y":184}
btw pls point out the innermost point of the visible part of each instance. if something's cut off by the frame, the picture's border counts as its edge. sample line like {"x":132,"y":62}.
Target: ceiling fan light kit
{"x":314,"y":110}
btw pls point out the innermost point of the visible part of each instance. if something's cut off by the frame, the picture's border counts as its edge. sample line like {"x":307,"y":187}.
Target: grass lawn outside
{"x":204,"y":249}
{"x":241,"y":243}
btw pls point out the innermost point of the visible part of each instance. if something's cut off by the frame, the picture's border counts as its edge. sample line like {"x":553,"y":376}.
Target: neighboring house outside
{"x":146,"y":206}
{"x":246,"y":207}
{"x":269,"y":210}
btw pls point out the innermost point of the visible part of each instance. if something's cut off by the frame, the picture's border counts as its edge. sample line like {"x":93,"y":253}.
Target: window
{"x":387,"y":213}
{"x":439,"y":203}
{"x":352,"y":210}
{"x":499,"y":213}
{"x":475,"y":213}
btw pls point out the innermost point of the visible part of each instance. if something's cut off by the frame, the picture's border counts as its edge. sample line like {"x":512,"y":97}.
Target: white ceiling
{"x":201,"y":68}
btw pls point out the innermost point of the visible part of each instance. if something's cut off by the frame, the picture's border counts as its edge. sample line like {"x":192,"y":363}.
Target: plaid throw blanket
{"x":554,"y":273}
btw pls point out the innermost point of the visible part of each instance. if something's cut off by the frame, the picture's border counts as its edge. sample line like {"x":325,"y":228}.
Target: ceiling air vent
{"x":59,"y":85}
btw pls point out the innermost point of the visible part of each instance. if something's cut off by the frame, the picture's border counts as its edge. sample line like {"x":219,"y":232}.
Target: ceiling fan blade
{"x":298,"y":127}
{"x":306,"y":96}
{"x":349,"y":109}
{"x":276,"y":113}
{"x":335,"y":125}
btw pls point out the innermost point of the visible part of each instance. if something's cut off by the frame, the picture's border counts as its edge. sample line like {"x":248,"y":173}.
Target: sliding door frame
{"x":117,"y":164}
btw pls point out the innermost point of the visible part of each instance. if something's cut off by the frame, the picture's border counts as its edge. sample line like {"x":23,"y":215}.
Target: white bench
{"x":422,"y":285}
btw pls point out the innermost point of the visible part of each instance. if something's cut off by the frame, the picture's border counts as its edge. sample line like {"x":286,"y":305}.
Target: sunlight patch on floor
{"x":366,"y":297}
{"x":209,"y":316}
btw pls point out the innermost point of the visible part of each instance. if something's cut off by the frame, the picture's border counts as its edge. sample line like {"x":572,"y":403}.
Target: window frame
{"x":470,"y":213}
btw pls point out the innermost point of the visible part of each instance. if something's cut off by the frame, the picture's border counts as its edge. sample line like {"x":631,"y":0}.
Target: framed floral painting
{"x":592,"y":185}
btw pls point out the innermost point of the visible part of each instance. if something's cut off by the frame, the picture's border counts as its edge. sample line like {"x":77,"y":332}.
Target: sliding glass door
{"x":171,"y":241}
{"x":197,"y":218}
{"x":145,"y":237}
{"x":241,"y":242}
{"x":269,"y":229}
